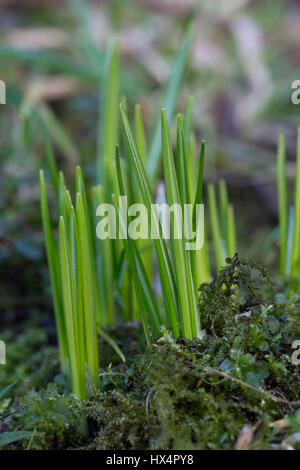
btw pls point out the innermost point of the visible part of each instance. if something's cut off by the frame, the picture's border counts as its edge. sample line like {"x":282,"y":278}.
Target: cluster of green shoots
{"x":289,"y":216}
{"x":97,"y":283}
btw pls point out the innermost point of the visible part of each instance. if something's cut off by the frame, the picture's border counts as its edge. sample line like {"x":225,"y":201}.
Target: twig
{"x":209,"y":370}
{"x":148,"y":398}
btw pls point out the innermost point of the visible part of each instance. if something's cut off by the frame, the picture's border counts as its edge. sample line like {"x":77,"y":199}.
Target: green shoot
{"x":215,"y":227}
{"x":164,"y":263}
{"x":170,"y":102}
{"x":289,"y":219}
{"x":282,"y":201}
{"x":99,"y":281}
{"x":54,"y":271}
{"x":296,"y":239}
{"x":222,"y":221}
{"x":108,"y":125}
{"x":181,"y":261}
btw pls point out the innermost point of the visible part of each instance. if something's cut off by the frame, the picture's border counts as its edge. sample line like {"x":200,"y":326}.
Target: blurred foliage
{"x":244,"y":59}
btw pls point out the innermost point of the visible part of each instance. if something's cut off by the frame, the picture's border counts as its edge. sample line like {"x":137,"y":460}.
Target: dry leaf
{"x":245,"y":438}
{"x":199,"y":383}
{"x":280,"y":424}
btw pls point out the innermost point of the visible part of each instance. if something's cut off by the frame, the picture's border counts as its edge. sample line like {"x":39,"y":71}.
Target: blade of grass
{"x":91,"y":240}
{"x":200,"y":258}
{"x":142,"y":147}
{"x":77,"y":280}
{"x":108,"y":124}
{"x":227,"y":221}
{"x":68,"y":295}
{"x":6,"y":389}
{"x":140,"y":134}
{"x":61,"y":192}
{"x":184,"y":185}
{"x":188,"y":120}
{"x":203,"y":263}
{"x":104,"y":266}
{"x":9,"y":437}
{"x":182,"y":164}
{"x":199,"y":186}
{"x":296,"y":240}
{"x":137,"y":278}
{"x":88,"y":287}
{"x":193,"y":167}
{"x":53,"y":264}
{"x":289,"y":247}
{"x":51,"y":161}
{"x":164,"y":264}
{"x":215,"y":227}
{"x":143,"y":286}
{"x":105,"y":336}
{"x":187,"y":318}
{"x":223,"y":204}
{"x":282,"y":201}
{"x":231,"y":237}
{"x":58,"y":133}
{"x":169,"y":102}
{"x":49,"y":60}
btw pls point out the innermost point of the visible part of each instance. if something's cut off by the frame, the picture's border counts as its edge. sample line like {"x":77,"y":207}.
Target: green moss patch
{"x":236,"y":387}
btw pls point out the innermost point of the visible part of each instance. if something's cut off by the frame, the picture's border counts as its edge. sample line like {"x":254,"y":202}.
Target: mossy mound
{"x":236,"y":387}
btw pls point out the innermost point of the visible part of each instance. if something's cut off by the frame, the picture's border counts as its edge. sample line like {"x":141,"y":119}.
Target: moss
{"x":168,"y":403}
{"x":31,"y":362}
{"x":172,"y":400}
{"x":182,"y":394}
{"x":54,"y":418}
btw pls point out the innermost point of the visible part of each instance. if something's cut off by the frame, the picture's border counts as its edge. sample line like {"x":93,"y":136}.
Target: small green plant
{"x":49,"y":419}
{"x":223,"y":225}
{"x":177,"y":283}
{"x":95,"y":283}
{"x":73,"y":283}
{"x":289,"y":217}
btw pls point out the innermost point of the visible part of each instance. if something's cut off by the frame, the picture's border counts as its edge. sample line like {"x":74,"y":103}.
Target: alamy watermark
{"x":2,"y":92}
{"x":295,"y":97}
{"x":162,"y":221}
{"x":2,"y":352}
{"x":296,"y":354}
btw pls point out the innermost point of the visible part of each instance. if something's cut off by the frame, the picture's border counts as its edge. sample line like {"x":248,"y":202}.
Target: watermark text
{"x":177,"y":221}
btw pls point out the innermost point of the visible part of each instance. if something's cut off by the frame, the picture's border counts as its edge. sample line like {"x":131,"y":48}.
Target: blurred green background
{"x":244,"y":57}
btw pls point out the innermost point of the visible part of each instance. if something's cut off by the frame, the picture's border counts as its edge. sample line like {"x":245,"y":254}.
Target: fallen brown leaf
{"x":245,"y":438}
{"x":280,"y":424}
